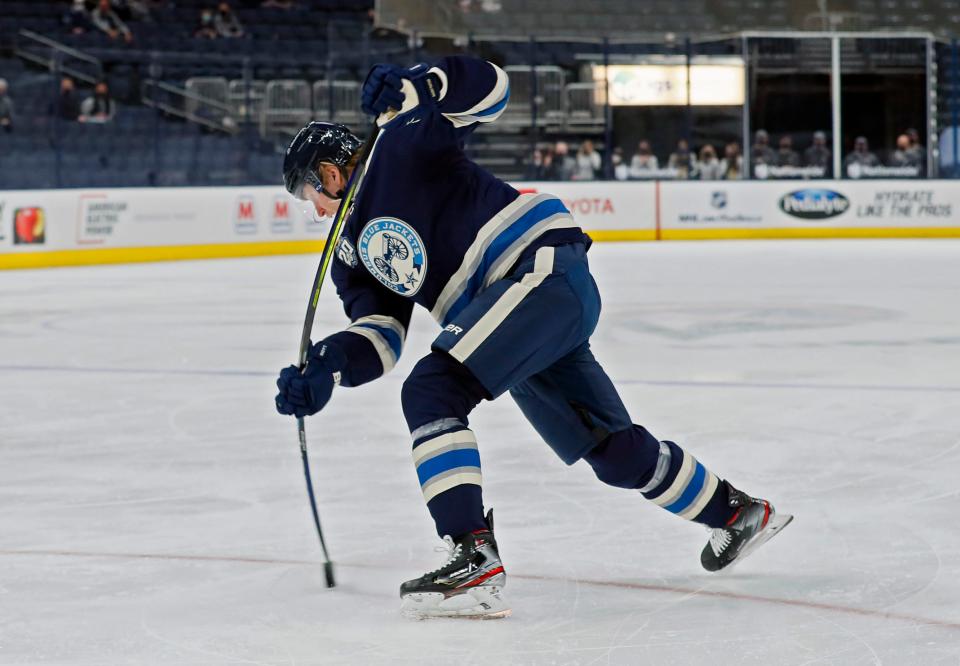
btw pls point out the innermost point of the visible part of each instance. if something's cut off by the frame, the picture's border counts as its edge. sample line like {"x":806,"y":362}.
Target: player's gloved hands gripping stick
{"x":306,"y":393}
{"x":399,"y":88}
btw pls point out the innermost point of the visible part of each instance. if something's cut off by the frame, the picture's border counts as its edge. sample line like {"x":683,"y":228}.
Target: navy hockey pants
{"x":529,"y":334}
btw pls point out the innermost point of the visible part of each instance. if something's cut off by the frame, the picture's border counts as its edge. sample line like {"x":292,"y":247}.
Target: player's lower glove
{"x":383,"y":88}
{"x":306,"y":393}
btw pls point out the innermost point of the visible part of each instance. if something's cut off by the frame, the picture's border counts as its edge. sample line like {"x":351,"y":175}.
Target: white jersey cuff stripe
{"x":380,"y":345}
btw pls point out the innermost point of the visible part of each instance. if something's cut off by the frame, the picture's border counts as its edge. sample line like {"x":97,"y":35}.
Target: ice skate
{"x":468,"y":584}
{"x":754,"y":523}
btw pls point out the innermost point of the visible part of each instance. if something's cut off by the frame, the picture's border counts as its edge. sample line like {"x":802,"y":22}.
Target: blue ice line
{"x":618,"y":382}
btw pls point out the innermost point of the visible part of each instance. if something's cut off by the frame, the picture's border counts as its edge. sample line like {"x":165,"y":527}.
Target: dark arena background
{"x":771,"y":188}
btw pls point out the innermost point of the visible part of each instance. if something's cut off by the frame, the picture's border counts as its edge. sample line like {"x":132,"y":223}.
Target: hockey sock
{"x":682,"y":485}
{"x":664,"y":473}
{"x":448,"y":467}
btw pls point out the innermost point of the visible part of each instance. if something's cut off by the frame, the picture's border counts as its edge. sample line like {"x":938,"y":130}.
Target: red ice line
{"x":850,"y":610}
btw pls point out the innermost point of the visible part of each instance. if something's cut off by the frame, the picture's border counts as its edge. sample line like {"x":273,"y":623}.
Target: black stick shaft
{"x":325,"y":258}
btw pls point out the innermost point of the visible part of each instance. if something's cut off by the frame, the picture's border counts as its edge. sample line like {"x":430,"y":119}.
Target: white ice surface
{"x":153,"y":510}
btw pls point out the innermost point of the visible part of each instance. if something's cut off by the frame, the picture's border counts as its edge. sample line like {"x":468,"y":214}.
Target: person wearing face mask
{"x":99,"y":107}
{"x":205,"y":29}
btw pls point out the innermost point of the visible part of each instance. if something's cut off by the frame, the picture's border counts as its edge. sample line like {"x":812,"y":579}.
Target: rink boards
{"x":41,"y":228}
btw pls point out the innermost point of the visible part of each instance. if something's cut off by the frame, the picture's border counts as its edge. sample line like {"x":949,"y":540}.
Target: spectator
{"x":105,"y":19}
{"x":762,"y":153}
{"x":226,"y":23}
{"x":818,"y":155}
{"x":562,"y":165}
{"x":682,"y":160}
{"x":206,"y":30}
{"x":861,"y":156}
{"x":903,"y":156}
{"x":787,"y":156}
{"x":99,"y":107}
{"x":6,"y":108}
{"x":131,"y":10}
{"x":644,"y":161}
{"x":620,"y":171}
{"x":709,"y":167}
{"x":77,"y":19}
{"x":916,"y":148}
{"x":539,"y":163}
{"x":68,"y":106}
{"x":587,"y":162}
{"x":731,"y":166}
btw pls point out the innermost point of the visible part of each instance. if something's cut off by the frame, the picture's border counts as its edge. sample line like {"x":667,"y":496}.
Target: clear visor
{"x":311,"y":179}
{"x":318,"y":204}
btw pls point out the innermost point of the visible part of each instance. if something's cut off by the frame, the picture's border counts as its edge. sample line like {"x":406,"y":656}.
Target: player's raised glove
{"x":306,"y":393}
{"x":384,"y":88}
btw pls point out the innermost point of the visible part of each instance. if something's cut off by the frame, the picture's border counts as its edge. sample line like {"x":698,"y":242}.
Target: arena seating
{"x":242,"y":97}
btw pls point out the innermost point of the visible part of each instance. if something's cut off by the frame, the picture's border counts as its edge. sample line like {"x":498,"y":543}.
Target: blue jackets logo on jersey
{"x":394,"y":254}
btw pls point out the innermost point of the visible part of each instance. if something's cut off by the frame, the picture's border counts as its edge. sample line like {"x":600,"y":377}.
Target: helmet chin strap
{"x":325,"y":192}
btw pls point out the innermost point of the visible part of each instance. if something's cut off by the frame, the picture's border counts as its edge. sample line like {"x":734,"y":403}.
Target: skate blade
{"x":774,"y":526}
{"x":484,"y":602}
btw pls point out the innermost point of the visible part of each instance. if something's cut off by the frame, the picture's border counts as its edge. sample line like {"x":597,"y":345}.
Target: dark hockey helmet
{"x":315,"y":143}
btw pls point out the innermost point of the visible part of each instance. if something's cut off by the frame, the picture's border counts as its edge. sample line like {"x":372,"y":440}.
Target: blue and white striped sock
{"x":448,"y":466}
{"x":682,"y":485}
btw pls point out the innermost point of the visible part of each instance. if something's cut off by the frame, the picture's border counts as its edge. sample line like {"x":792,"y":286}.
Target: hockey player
{"x":506,"y":277}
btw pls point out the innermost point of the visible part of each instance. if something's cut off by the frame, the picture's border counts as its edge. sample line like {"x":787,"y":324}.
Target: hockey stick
{"x":328,"y":249}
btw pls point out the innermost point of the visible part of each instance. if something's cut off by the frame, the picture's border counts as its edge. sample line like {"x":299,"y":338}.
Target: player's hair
{"x":355,"y":158}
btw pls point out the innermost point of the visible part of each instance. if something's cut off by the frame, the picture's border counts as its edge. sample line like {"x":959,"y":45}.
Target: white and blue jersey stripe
{"x":497,"y":247}
{"x":487,"y":109}
{"x":430,"y":226}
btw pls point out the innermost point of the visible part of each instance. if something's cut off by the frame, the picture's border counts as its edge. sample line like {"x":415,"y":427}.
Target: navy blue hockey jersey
{"x":430,"y":226}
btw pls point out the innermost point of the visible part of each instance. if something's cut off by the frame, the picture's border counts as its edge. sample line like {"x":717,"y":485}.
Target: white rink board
{"x":146,"y":224}
{"x":808,"y":205}
{"x":137,"y":217}
{"x":603,"y":206}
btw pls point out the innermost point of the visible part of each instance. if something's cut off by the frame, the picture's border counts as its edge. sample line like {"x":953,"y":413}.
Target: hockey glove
{"x":384,"y":88}
{"x":306,"y":393}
